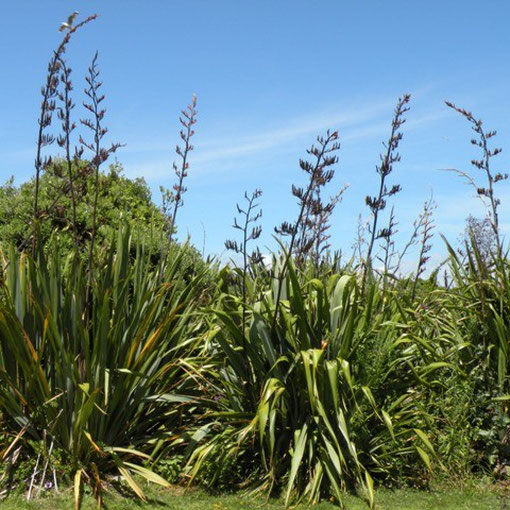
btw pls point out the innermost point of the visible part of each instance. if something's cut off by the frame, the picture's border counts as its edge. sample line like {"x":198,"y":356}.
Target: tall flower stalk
{"x":319,"y":171}
{"x":174,"y":199}
{"x":249,"y":216}
{"x":486,"y":192}
{"x":64,"y":140}
{"x":377,"y":203}
{"x":49,"y":92}
{"x":99,"y":153}
{"x":426,"y":223}
{"x":388,"y":246}
{"x":320,"y":224}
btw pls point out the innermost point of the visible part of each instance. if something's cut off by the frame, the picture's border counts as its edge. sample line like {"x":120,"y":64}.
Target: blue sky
{"x":270,"y":76}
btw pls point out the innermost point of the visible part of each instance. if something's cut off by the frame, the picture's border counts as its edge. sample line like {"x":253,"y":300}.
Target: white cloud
{"x":354,"y":125}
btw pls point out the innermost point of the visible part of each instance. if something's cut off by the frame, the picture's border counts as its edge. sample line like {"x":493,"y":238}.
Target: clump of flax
{"x":249,"y":216}
{"x":377,"y":203}
{"x":486,"y":192}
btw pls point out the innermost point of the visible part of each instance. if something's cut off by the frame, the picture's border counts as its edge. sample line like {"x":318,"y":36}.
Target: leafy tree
{"x":120,"y":200}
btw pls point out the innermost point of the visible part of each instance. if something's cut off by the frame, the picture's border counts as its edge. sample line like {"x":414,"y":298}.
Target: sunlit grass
{"x":470,"y":498}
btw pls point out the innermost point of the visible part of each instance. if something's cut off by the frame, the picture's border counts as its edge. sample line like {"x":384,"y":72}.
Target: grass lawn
{"x":470,"y":498}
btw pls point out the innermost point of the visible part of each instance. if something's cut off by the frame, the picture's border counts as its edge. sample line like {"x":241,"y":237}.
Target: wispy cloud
{"x":294,"y":130}
{"x":381,"y":128}
{"x":274,"y":135}
{"x":354,"y":125}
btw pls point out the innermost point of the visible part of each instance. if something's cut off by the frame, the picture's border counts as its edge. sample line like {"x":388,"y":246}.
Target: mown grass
{"x":466,"y":498}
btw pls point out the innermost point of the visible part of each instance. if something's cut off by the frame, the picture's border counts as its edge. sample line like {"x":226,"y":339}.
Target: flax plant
{"x":313,"y":407}
{"x":109,"y":391}
{"x":485,"y":283}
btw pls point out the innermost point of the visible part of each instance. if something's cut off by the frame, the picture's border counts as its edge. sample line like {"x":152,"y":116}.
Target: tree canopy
{"x":120,"y":200}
